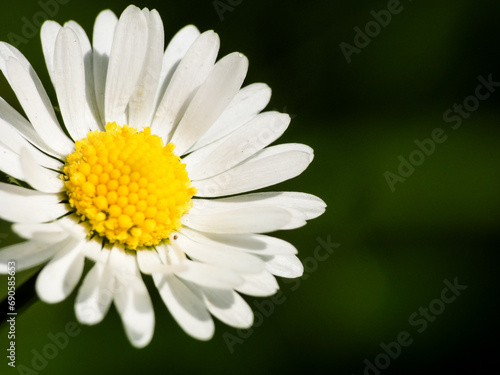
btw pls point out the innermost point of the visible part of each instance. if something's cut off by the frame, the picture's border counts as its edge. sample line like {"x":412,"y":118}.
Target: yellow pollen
{"x":128,"y":186}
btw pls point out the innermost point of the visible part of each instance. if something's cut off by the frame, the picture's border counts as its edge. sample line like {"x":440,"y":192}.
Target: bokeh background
{"x":395,"y":248}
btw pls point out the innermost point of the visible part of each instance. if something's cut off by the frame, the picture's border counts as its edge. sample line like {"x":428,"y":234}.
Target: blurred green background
{"x":396,"y":247}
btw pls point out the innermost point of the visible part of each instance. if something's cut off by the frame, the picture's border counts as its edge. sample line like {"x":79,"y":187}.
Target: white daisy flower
{"x":145,"y":176}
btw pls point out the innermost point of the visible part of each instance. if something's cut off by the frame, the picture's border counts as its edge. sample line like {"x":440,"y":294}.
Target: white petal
{"x":11,"y":145}
{"x":209,"y":276}
{"x":91,"y":112}
{"x":132,"y":299}
{"x":247,"y":103}
{"x":95,"y":295}
{"x":189,"y":75}
{"x":48,"y":35}
{"x":10,"y":163}
{"x":310,"y":205}
{"x":21,"y":205}
{"x":142,"y":100}
{"x":15,"y":142}
{"x":186,"y":307}
{"x":83,"y":40}
{"x":49,"y":233}
{"x":307,"y":204}
{"x":125,"y":63}
{"x":136,"y":310}
{"x":69,"y":82}
{"x":104,"y":31}
{"x":94,"y":250}
{"x":147,"y":259}
{"x":228,"y":307}
{"x":268,"y":167}
{"x":82,"y":36}
{"x":6,"y":52}
{"x":259,"y":285}
{"x":175,"y":51}
{"x":197,"y":247}
{"x":36,"y":104}
{"x":73,"y":226}
{"x":258,"y":244}
{"x":60,"y":276}
{"x":240,"y":219}
{"x":150,"y":262}
{"x":210,"y":100}
{"x":285,"y":266}
{"x":26,"y":255}
{"x":171,"y":255}
{"x":40,"y":178}
{"x":11,"y":118}
{"x":229,"y":151}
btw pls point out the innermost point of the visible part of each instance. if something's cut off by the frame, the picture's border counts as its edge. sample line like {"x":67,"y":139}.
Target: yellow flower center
{"x":128,"y":186}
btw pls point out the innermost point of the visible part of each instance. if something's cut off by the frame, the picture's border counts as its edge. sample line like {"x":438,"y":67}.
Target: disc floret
{"x":128,"y":185}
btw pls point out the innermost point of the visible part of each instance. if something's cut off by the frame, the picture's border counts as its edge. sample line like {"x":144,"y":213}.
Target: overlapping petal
{"x":126,"y":59}
{"x":34,"y":99}
{"x":21,"y":205}
{"x":191,"y":72}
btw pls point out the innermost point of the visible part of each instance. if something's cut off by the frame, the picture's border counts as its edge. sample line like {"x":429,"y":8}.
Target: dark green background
{"x":396,"y":248}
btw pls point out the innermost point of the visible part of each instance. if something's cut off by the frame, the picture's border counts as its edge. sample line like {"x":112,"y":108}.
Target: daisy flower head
{"x":147,"y":170}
